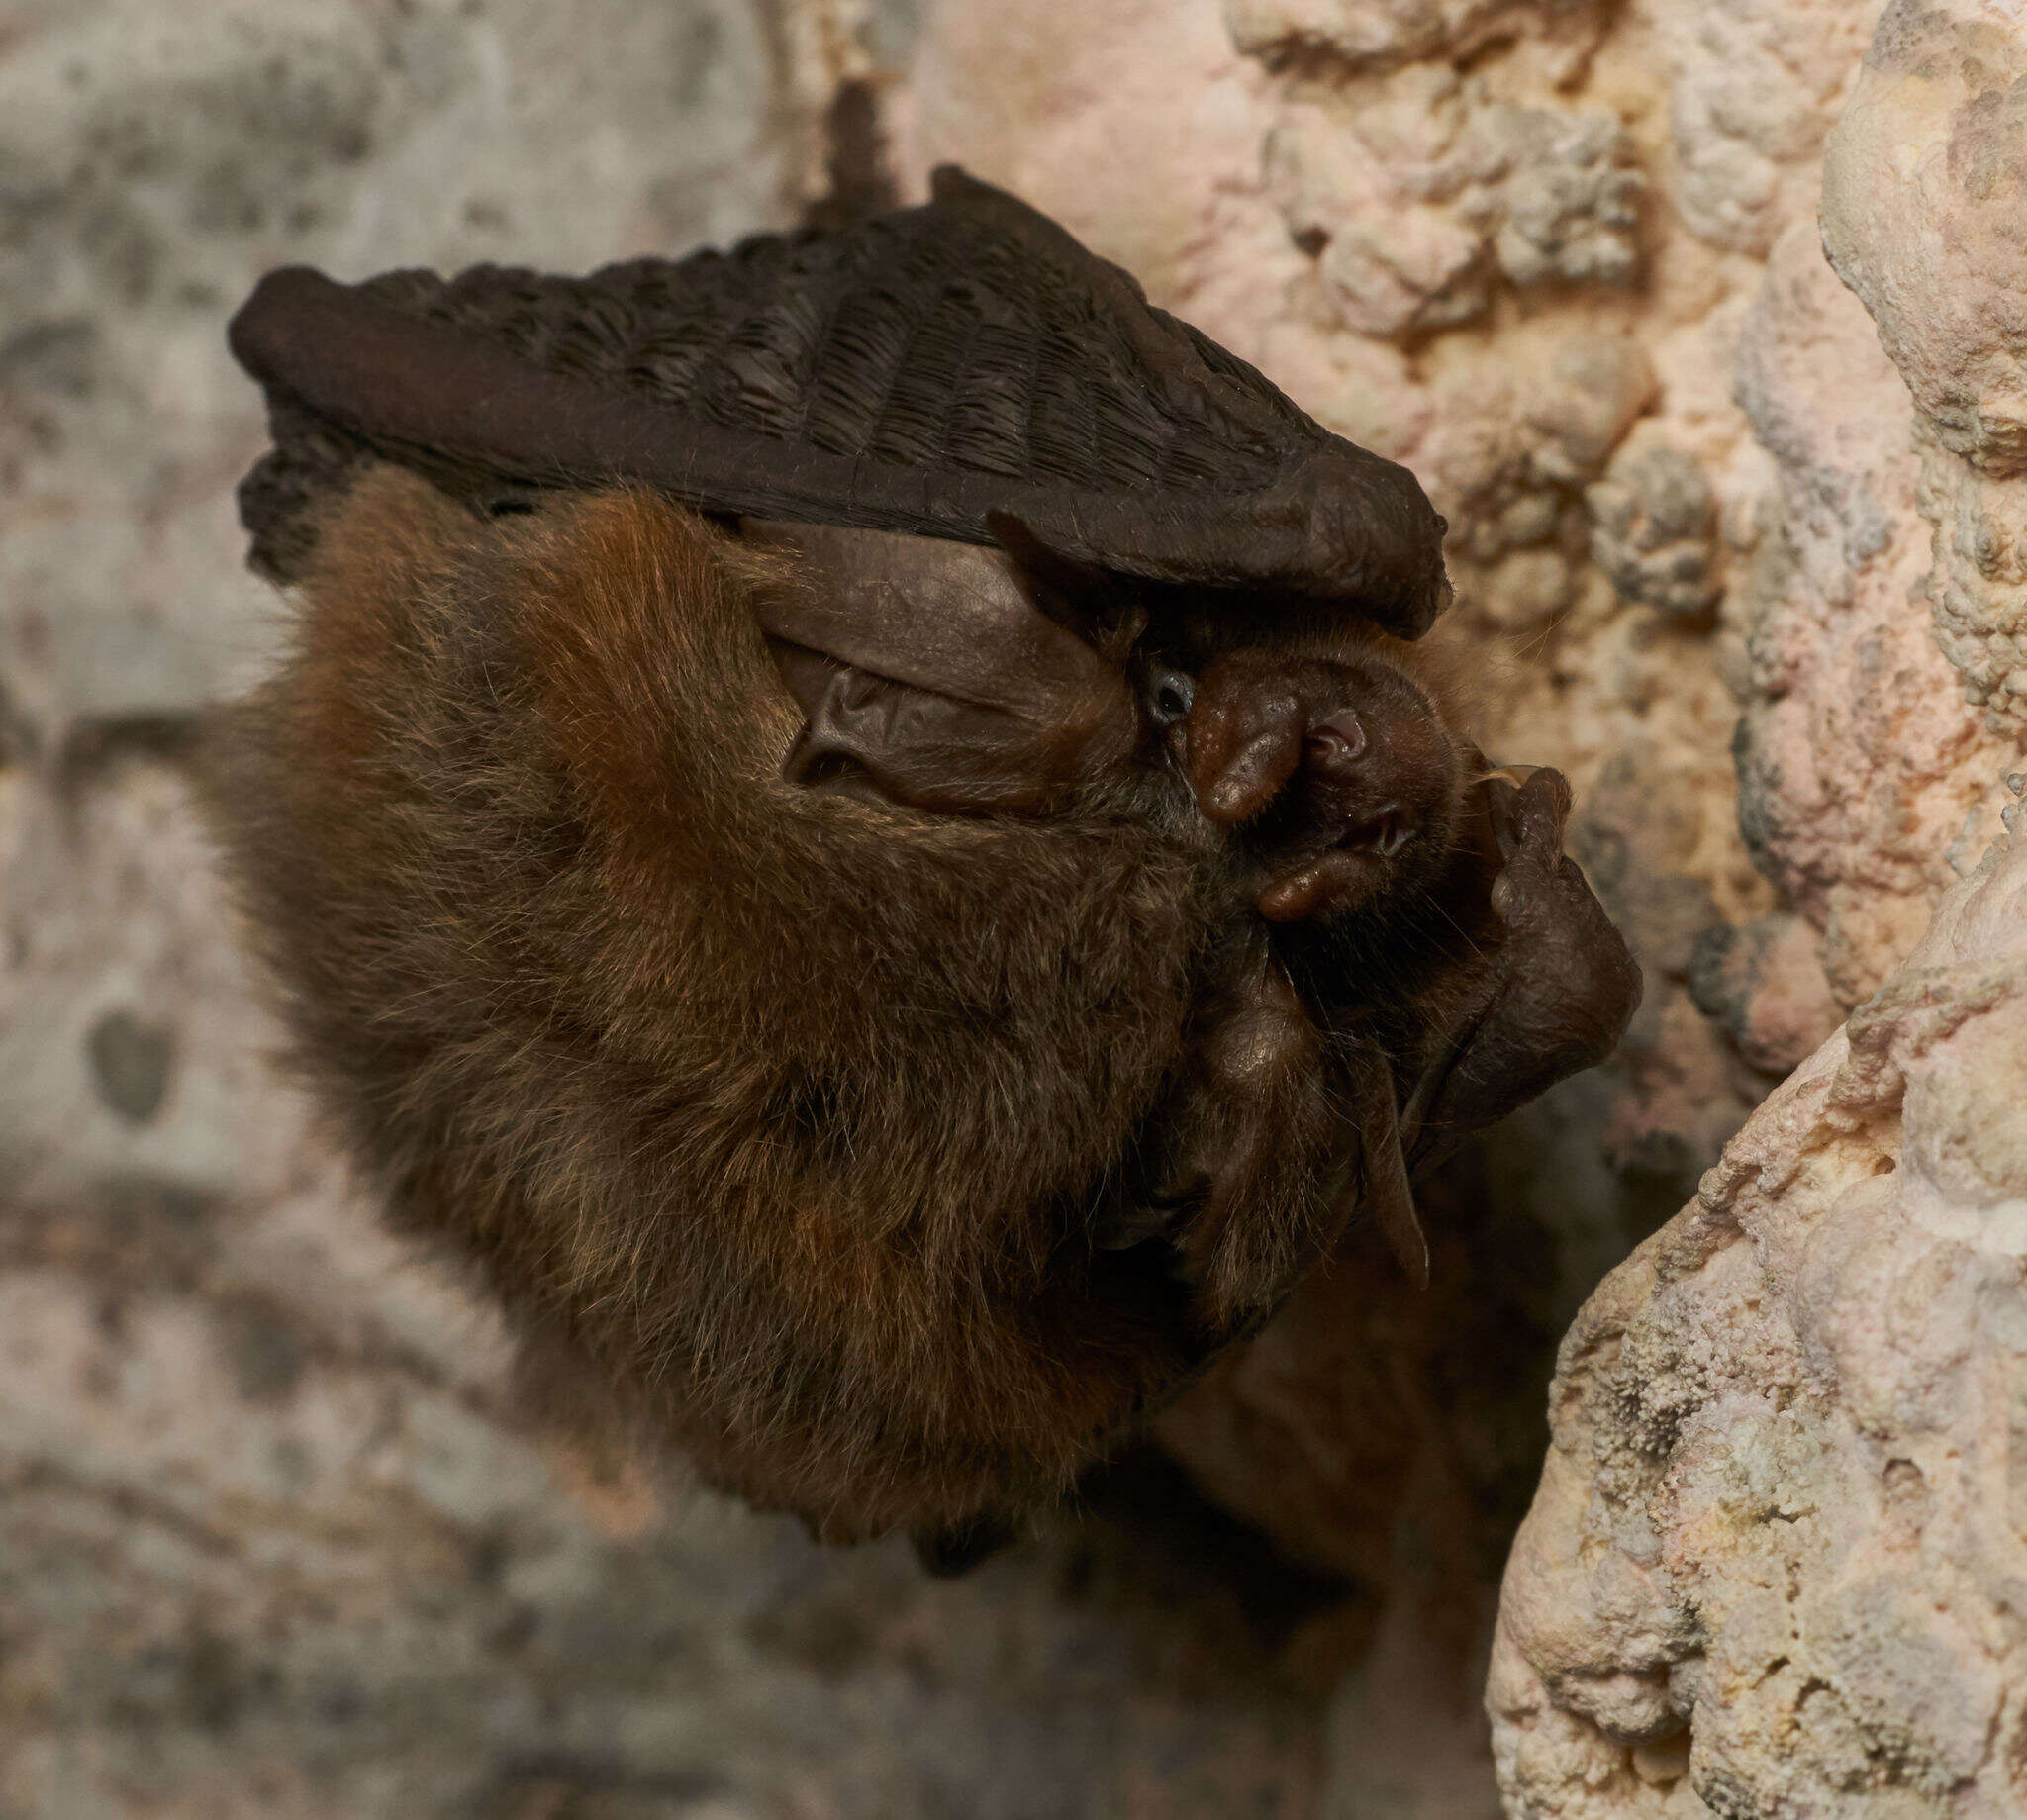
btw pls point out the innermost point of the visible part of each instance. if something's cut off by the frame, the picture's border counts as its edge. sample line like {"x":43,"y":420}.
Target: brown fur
{"x":779,"y":1114}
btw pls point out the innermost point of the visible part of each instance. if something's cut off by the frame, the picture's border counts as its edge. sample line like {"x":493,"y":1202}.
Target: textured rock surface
{"x":1420,"y":193}
{"x":153,"y":163}
{"x":1375,"y":33}
{"x":1775,"y":1562}
{"x":1925,"y":217}
{"x":1858,"y":758}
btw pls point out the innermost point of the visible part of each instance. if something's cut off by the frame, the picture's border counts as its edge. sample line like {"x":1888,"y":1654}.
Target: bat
{"x":857,"y":825}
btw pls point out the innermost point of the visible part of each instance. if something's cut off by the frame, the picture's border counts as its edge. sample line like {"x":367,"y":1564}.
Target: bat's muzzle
{"x":1330,"y":773}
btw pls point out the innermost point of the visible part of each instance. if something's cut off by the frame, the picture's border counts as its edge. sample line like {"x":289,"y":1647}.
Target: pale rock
{"x":1136,"y":125}
{"x":1391,"y":259}
{"x":1764,"y":985}
{"x":1858,"y":758}
{"x":1418,"y":190}
{"x":1753,"y":87}
{"x":1924,"y":216}
{"x":1561,"y":196}
{"x":153,"y":163}
{"x":1366,"y":33}
{"x":1779,"y":1535}
{"x":1654,"y":530}
{"x":1509,"y":447}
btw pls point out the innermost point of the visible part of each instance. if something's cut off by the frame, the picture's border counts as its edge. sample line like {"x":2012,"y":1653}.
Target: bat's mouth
{"x":1333,"y":868}
{"x":1385,"y":834}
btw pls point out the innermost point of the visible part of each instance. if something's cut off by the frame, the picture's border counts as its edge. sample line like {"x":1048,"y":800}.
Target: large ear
{"x":878,"y":741}
{"x":932,"y":676}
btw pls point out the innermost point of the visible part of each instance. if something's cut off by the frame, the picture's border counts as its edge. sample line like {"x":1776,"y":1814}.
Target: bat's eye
{"x":1169,"y":696}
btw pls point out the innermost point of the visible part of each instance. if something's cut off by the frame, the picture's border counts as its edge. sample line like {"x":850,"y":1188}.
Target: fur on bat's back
{"x":772,"y":1113}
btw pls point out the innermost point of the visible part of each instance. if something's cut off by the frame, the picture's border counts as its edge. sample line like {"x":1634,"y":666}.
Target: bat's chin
{"x":1340,"y":867}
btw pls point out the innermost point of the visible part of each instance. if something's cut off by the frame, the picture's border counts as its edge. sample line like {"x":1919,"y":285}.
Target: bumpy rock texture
{"x":1737,"y":538}
{"x":1777,"y":1559}
{"x":1775,"y":1564}
{"x":1925,"y":217}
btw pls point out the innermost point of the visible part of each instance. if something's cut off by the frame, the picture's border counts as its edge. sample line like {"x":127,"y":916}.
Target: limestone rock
{"x":1924,"y":217}
{"x":1858,"y":760}
{"x":1772,"y":1560}
{"x":153,"y":164}
{"x":1753,"y":87}
{"x":1136,"y":125}
{"x":1366,"y":33}
{"x":1765,"y":985}
{"x":1654,"y":530}
{"x":1419,"y":191}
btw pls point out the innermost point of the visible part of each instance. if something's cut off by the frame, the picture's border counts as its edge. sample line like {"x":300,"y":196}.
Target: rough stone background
{"x":1738,"y":555}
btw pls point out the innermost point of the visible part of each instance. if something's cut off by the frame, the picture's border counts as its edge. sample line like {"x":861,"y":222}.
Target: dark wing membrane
{"x":913,"y":373}
{"x":929,"y":677}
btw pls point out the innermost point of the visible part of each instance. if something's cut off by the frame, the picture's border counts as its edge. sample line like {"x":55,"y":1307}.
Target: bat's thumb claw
{"x":1529,"y":817}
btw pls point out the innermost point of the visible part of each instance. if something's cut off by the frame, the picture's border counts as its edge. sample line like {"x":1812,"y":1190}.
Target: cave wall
{"x":1776,"y":1560}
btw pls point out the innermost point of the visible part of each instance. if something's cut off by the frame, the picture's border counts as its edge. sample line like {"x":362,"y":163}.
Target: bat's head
{"x":1336,"y":774}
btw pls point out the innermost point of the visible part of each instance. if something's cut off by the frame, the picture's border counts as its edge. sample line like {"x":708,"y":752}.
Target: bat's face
{"x":1336,"y":775}
{"x":952,"y":678}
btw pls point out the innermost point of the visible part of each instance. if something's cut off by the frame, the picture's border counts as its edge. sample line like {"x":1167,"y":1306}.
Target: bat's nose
{"x":1334,"y":746}
{"x":1255,"y":733}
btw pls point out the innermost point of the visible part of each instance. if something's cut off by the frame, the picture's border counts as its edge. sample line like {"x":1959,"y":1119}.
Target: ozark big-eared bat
{"x":854,"y":823}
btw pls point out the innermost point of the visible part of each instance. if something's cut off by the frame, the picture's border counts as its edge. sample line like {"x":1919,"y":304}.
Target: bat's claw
{"x":1528,"y":817}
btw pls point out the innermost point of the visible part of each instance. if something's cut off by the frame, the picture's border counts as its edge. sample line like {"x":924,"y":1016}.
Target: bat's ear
{"x":1382,"y":1185}
{"x":1095,"y":604}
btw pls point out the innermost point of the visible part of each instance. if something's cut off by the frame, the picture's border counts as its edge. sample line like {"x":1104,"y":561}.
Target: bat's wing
{"x":941,"y":676}
{"x":919,"y":372}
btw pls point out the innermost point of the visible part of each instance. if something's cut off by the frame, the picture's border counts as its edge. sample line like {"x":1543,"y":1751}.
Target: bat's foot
{"x":1561,"y":985}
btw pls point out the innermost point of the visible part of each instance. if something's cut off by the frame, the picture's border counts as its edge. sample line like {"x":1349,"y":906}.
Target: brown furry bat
{"x":880,"y":1008}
